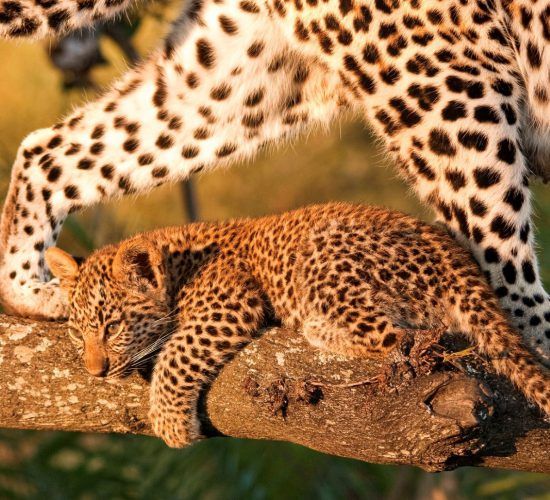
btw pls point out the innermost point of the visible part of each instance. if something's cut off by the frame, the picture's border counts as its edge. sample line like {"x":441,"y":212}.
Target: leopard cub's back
{"x":347,"y":247}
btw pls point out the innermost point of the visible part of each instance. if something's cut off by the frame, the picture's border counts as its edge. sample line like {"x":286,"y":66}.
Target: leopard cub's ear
{"x":62,"y":265}
{"x":139,"y":263}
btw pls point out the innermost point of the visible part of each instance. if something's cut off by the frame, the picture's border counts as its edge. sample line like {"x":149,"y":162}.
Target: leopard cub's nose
{"x":98,"y":368}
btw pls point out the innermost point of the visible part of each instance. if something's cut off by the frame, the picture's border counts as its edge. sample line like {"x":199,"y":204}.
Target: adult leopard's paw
{"x":175,"y":429}
{"x":541,"y":349}
{"x":33,"y":299}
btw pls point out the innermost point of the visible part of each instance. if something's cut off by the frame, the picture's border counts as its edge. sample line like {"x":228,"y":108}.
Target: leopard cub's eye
{"x":112,"y":328}
{"x":75,"y":335}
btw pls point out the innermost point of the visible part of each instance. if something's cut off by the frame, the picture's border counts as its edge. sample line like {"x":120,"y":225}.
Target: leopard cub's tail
{"x":480,"y":317}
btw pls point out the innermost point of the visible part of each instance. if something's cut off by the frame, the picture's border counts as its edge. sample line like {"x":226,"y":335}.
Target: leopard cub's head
{"x":119,"y":313}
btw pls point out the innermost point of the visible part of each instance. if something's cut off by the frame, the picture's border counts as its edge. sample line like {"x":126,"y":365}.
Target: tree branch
{"x":281,"y":388}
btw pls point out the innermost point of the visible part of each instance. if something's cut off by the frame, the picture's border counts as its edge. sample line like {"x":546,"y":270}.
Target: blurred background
{"x":41,"y":82}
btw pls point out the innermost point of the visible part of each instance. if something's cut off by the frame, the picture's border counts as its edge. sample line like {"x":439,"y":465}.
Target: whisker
{"x":144,"y":361}
{"x":162,"y":338}
{"x":157,"y":344}
{"x":148,"y":353}
{"x":147,"y":349}
{"x":168,"y":315}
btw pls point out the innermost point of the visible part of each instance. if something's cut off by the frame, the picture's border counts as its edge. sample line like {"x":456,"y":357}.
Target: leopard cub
{"x":353,"y":279}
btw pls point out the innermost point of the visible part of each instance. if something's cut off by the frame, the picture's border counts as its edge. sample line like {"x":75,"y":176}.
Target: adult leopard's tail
{"x":39,"y":19}
{"x":479,"y":316}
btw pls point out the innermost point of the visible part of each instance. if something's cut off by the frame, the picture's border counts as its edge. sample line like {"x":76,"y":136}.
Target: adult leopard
{"x":456,"y":88}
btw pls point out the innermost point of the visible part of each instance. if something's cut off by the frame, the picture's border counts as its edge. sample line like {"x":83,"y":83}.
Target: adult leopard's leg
{"x":226,"y":85}
{"x":440,"y":81}
{"x":530,"y":23}
{"x":38,"y":19}
{"x":205,"y":340}
{"x":443,"y":88}
{"x":467,"y":162}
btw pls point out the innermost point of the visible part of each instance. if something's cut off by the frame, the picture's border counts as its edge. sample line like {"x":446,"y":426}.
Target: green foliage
{"x":61,"y":466}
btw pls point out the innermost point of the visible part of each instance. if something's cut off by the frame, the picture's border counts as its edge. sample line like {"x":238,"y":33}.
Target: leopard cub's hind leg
{"x":337,"y":310}
{"x":369,"y":333}
{"x":406,"y":352}
{"x":358,"y":299}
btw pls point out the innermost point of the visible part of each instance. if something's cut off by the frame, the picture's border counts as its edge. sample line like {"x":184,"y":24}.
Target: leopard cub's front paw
{"x":174,"y":428}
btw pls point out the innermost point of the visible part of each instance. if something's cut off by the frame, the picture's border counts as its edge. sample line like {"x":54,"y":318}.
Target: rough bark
{"x":283,"y":389}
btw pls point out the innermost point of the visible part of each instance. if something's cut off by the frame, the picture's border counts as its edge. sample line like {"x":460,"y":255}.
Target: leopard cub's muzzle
{"x":95,"y":361}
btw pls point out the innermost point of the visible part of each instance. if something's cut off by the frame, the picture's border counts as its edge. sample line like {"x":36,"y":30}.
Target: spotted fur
{"x":457,"y":89}
{"x":352,"y":279}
